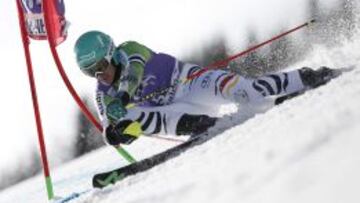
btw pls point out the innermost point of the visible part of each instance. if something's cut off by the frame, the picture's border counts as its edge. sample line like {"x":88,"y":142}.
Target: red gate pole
{"x":88,"y":114}
{"x":25,"y":40}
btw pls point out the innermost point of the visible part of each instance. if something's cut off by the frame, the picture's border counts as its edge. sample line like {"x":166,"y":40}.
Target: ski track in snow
{"x":305,"y":150}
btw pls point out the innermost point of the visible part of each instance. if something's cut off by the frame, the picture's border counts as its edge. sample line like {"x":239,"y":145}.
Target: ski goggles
{"x":97,"y":68}
{"x":100,"y":66}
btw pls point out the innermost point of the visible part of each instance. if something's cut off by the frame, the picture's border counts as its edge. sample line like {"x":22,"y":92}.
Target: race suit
{"x":144,"y":72}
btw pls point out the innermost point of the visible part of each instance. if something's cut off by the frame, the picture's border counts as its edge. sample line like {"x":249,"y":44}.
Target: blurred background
{"x":201,"y":31}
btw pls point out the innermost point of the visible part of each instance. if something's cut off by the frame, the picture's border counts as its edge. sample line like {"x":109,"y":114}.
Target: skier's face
{"x":107,"y":74}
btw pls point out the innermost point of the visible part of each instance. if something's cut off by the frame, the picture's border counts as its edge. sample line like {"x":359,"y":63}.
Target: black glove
{"x":125,"y":132}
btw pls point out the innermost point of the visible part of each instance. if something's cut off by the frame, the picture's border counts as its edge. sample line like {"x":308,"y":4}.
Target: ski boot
{"x":315,"y":78}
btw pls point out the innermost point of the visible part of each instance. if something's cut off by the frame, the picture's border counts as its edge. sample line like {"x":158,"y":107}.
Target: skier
{"x":131,"y":73}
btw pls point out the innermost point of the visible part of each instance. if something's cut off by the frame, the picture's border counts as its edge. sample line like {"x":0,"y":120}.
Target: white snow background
{"x":305,"y":150}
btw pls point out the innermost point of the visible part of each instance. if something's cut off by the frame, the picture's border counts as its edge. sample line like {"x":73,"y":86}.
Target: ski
{"x":71,"y":197}
{"x":104,"y":179}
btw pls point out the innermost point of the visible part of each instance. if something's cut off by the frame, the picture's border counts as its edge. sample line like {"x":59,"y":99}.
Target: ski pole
{"x":166,"y":138}
{"x":226,"y":61}
{"x":219,"y":64}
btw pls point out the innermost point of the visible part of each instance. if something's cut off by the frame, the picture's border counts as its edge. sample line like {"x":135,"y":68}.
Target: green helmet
{"x":91,"y":48}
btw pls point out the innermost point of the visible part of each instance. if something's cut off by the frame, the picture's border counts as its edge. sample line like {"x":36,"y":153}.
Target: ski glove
{"x":125,"y":132}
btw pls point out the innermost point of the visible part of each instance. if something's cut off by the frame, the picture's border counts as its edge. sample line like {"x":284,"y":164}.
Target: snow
{"x":305,"y":150}
{"x":302,"y":151}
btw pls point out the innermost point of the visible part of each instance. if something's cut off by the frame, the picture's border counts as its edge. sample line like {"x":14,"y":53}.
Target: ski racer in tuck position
{"x":130,"y":72}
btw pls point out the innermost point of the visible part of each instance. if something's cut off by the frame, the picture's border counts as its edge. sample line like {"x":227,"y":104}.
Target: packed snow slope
{"x":305,"y":150}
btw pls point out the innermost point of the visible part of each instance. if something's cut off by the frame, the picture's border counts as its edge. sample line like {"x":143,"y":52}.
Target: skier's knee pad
{"x":194,"y":124}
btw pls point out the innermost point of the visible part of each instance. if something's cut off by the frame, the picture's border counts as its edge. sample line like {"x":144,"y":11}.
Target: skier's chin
{"x":105,"y":82}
